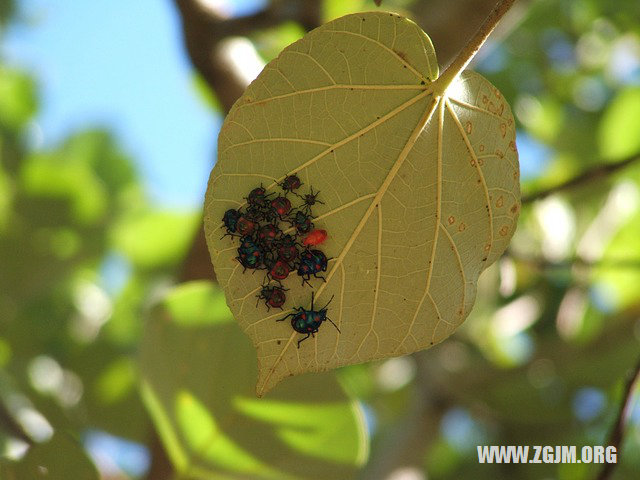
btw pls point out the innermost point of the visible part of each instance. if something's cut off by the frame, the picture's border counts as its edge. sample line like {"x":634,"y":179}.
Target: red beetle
{"x":273,"y":296}
{"x":279,"y":270}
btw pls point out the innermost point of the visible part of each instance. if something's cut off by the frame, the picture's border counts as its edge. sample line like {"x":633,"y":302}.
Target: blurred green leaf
{"x":199,"y":371}
{"x":619,"y":131}
{"x":619,"y":284}
{"x":18,"y":100}
{"x":98,"y":149}
{"x":544,"y":117}
{"x":52,"y":177}
{"x":156,"y":238}
{"x":204,"y":92}
{"x":270,"y":43}
{"x":61,"y":458}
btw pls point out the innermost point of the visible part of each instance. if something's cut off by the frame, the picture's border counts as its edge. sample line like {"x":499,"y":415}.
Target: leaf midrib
{"x":376,"y":200}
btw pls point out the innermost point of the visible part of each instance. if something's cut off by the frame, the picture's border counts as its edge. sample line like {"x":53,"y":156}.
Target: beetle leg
{"x":303,"y":339}
{"x":284,"y":318}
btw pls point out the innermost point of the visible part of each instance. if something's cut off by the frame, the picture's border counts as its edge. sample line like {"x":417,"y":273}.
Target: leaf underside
{"x":420,"y":190}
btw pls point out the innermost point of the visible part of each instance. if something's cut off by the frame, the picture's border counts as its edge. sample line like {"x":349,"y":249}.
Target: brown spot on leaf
{"x":452,"y":220}
{"x":401,"y":54}
{"x":462,"y":227}
{"x":504,"y":230}
{"x":500,"y":201}
{"x":468,"y":127}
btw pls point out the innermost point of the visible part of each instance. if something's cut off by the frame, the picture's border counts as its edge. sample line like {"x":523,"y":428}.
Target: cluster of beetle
{"x":265,"y":246}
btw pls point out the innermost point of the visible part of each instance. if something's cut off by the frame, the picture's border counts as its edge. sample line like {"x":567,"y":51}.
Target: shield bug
{"x":290,"y":183}
{"x":267,"y":234}
{"x":308,"y":321}
{"x":281,"y":206}
{"x":287,"y":248}
{"x":258,"y":198}
{"x":310,"y":199}
{"x":245,"y":226}
{"x":315,"y":237}
{"x":312,"y":262}
{"x":279,"y":270}
{"x":273,"y":296}
{"x":302,"y":222}
{"x":230,"y":220}
{"x":249,"y":254}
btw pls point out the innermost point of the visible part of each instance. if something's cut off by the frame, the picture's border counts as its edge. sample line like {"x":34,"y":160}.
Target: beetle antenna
{"x":323,"y":308}
{"x":312,"y":292}
{"x":334,"y":324}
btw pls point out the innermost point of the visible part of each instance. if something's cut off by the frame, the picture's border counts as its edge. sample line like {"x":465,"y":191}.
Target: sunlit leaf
{"x":619,"y":283}
{"x":619,"y":133}
{"x":198,"y":373}
{"x":17,"y":98}
{"x":155,"y":238}
{"x":58,"y":178}
{"x":419,"y":181}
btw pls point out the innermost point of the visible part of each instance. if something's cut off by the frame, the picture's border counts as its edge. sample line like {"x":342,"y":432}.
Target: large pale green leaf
{"x":199,"y":370}
{"x":419,"y":179}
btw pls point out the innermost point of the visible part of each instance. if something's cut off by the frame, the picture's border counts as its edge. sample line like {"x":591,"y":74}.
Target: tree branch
{"x":12,"y":427}
{"x":617,"y":434}
{"x":594,"y":173}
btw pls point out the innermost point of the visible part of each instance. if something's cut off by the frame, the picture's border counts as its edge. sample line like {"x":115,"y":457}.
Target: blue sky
{"x":120,"y":64}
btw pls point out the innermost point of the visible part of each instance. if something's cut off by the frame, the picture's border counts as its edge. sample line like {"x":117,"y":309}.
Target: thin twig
{"x":589,"y":175}
{"x":617,"y":434}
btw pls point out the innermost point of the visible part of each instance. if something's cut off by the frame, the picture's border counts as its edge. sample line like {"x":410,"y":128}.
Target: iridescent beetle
{"x":287,"y":248}
{"x":312,"y":262}
{"x":309,"y":321}
{"x":302,"y":222}
{"x":249,"y":254}
{"x":230,"y":221}
{"x":267,"y":235}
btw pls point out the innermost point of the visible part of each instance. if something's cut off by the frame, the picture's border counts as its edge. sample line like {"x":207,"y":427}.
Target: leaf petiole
{"x":471,"y":48}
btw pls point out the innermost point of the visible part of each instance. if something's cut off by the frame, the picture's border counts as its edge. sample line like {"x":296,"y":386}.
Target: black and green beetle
{"x":309,"y":321}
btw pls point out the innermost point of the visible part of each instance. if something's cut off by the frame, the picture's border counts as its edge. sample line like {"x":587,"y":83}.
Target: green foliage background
{"x":540,"y":361}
